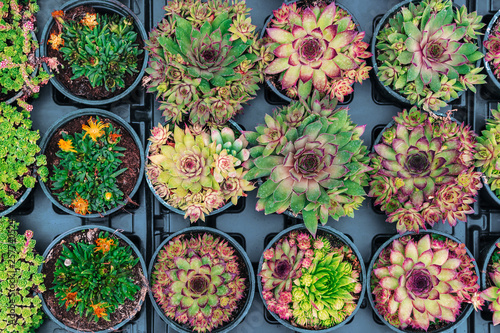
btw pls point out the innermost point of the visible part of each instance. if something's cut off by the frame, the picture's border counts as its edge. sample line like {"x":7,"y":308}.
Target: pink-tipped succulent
{"x":427,"y":53}
{"x":492,"y":45}
{"x":315,"y":48}
{"x":423,"y":171}
{"x":420,"y":281}
{"x":492,"y":294}
{"x":199,"y":286}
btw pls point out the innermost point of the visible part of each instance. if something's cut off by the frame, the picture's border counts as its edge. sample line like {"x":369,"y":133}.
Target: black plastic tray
{"x":150,"y":223}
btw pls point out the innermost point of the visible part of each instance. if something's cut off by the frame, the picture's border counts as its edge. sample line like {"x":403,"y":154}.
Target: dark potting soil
{"x":17,"y":194}
{"x":71,"y":318}
{"x":81,"y":86}
{"x":131,"y":159}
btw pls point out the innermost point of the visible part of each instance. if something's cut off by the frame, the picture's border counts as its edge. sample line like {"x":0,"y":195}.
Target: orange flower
{"x":113,"y":137}
{"x":99,"y":309}
{"x":66,"y":146}
{"x":104,"y":244}
{"x":80,"y":205}
{"x":70,"y":299}
{"x":94,"y":130}
{"x":56,"y":41}
{"x":58,"y":16}
{"x":89,"y":20}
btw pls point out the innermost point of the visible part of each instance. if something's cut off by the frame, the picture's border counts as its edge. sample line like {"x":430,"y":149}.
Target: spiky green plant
{"x":313,"y":159}
{"x":205,"y":61}
{"x":198,"y":281}
{"x":21,"y":309}
{"x":427,"y":53}
{"x":492,"y":294}
{"x":423,"y":171}
{"x":418,"y":282}
{"x":316,"y":47}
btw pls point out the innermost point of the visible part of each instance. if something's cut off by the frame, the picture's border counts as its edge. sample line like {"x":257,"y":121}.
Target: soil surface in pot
{"x":131,"y":159}
{"x":71,"y":318}
{"x":81,"y":86}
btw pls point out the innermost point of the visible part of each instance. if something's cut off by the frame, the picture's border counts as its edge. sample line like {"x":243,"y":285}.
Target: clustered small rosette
{"x":423,"y":171}
{"x":488,"y":151}
{"x":197,"y":171}
{"x":316,"y":48}
{"x":313,"y":159}
{"x":427,"y":53}
{"x":492,"y":45}
{"x":418,"y":282}
{"x":205,"y":62}
{"x":492,"y":294}
{"x":198,"y":281}
{"x":309,"y":282}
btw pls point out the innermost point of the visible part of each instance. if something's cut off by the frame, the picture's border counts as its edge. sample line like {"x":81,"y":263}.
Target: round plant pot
{"x":234,"y":125}
{"x":488,"y":193}
{"x":53,"y":130}
{"x":322,"y":230}
{"x":104,"y":6}
{"x":141,"y":293}
{"x":249,"y":274}
{"x":19,"y":202}
{"x":387,"y":91}
{"x":485,"y":278}
{"x":270,"y":84}
{"x":492,"y":83}
{"x":462,"y":317}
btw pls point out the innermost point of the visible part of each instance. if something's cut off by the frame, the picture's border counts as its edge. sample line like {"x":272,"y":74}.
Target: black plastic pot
{"x":485,"y":273}
{"x":249,"y":273}
{"x":492,"y":83}
{"x":77,"y":229}
{"x":177,"y":210}
{"x":450,"y":327}
{"x":321,"y":230}
{"x":109,"y":6}
{"x":269,"y":84}
{"x":90,"y":112}
{"x":387,"y":91}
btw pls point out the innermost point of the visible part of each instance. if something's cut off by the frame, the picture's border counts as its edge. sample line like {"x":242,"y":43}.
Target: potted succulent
{"x":100,"y":45}
{"x":20,"y":76}
{"x":316,"y":47}
{"x":97,"y":163}
{"x":96,"y":279}
{"x":423,"y":170}
{"x":205,"y":61}
{"x":197,"y":170}
{"x":201,"y":280}
{"x":425,"y":53}
{"x":21,"y":160}
{"x":490,"y":281}
{"x":491,"y":48}
{"x":311,"y":283}
{"x":423,"y":282}
{"x":312,"y":159}
{"x":487,"y":155}
{"x":21,"y":308}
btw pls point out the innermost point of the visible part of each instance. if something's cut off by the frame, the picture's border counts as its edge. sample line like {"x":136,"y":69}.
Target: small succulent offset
{"x":488,"y":151}
{"x":310,"y":282}
{"x":197,"y":171}
{"x":95,"y":279}
{"x":313,"y":159}
{"x":17,"y":52}
{"x":316,"y":48}
{"x":423,"y":171}
{"x":205,"y":61}
{"x":492,"y":45}
{"x":419,"y":281}
{"x":100,"y":47}
{"x":427,"y":53}
{"x":198,"y":281}
{"x":86,"y":177}
{"x":492,"y":294}
{"x":21,"y":310}
{"x":18,"y":154}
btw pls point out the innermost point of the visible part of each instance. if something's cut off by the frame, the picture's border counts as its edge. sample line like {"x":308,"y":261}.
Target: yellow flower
{"x":108,"y":196}
{"x":104,"y":244}
{"x":99,"y":309}
{"x":66,"y":146}
{"x":80,"y":205}
{"x":89,"y":20}
{"x":95,"y":129}
{"x":56,"y":41}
